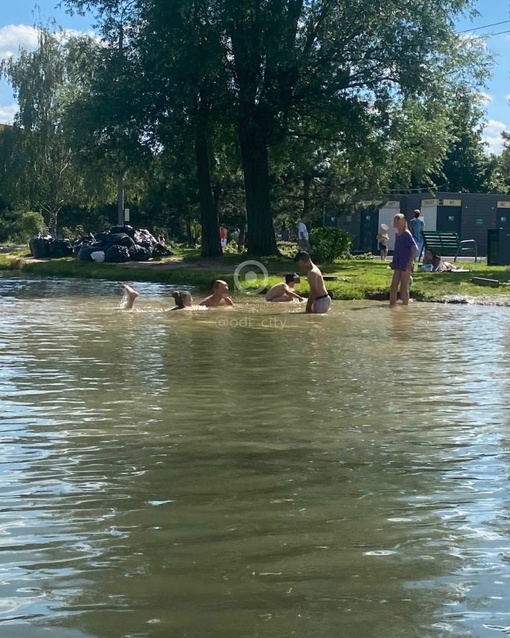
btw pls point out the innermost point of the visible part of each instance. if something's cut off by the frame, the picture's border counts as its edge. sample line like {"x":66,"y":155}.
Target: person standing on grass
{"x":417,"y":226}
{"x":402,"y":264}
{"x":303,"y":239}
{"x":383,"y":238}
{"x":223,"y":237}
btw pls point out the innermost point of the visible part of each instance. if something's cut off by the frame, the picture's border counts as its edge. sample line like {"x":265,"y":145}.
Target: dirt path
{"x":174,"y":262}
{"x":165,"y":263}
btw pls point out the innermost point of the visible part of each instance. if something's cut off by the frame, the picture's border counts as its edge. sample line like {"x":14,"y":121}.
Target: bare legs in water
{"x":182,"y":298}
{"x":131,"y":295}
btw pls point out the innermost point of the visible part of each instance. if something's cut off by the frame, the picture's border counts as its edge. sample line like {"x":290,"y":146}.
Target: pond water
{"x":253,"y":472}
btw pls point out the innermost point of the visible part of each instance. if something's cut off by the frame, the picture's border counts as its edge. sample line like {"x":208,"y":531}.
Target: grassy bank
{"x":356,"y":279}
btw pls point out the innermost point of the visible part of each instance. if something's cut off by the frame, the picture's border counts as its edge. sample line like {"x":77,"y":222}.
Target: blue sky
{"x":17,"y":21}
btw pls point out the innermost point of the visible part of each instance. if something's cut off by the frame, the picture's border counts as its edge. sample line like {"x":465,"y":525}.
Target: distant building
{"x":470,"y":215}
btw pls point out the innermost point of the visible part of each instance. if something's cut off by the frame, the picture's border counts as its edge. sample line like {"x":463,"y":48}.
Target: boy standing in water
{"x":219,"y":296}
{"x":319,"y":302}
{"x":403,"y":260}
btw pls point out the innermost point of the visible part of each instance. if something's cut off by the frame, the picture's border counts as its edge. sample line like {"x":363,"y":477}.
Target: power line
{"x":486,"y":26}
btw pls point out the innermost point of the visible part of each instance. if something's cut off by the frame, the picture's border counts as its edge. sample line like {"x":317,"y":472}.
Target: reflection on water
{"x":271,"y":475}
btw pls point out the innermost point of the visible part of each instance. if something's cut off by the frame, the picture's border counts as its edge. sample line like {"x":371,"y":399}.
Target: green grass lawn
{"x":357,"y":279}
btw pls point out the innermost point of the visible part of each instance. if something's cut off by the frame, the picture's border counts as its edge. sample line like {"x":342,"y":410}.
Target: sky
{"x":18,"y":17}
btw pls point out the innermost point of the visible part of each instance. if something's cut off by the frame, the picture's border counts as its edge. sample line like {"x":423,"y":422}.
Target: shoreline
{"x":346,"y":280}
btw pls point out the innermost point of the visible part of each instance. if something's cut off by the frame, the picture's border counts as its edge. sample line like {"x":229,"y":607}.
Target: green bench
{"x":449,"y":244}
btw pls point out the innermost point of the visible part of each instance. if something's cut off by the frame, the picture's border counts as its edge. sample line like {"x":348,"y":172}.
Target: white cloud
{"x":14,"y":36}
{"x":21,"y":36}
{"x":7,"y":113}
{"x":485,"y":98}
{"x":492,"y":135}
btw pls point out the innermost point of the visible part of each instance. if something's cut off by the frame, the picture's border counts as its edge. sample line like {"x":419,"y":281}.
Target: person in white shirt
{"x":303,"y":238}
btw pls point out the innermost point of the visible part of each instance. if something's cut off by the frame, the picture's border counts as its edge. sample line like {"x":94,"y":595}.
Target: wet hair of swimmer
{"x":291,"y":277}
{"x":181,"y":297}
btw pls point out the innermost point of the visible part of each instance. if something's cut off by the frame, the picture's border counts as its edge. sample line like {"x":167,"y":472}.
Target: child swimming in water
{"x":183,"y":298}
{"x":285,"y":291}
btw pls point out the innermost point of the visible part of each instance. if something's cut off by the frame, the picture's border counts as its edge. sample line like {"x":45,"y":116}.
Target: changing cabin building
{"x":470,"y":215}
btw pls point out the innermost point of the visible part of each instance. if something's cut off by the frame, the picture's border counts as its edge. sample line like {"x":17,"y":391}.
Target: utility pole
{"x":120,"y":174}
{"x":120,"y":199}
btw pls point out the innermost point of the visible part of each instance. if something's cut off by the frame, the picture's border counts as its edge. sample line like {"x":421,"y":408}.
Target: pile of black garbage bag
{"x":119,"y":244}
{"x":45,"y":247}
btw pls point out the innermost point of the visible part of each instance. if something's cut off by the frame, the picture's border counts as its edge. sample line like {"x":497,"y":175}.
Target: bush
{"x":32,"y":223}
{"x":327,"y":244}
{"x":287,"y":248}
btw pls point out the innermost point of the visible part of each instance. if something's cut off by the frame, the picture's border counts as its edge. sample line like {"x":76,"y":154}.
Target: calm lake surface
{"x":253,"y":472}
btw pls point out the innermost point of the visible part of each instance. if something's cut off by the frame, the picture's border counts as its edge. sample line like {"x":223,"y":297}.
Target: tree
{"x":354,"y":60}
{"x":178,"y":79}
{"x":360,"y":75}
{"x":184,"y":78}
{"x":465,"y":167}
{"x":502,"y":171}
{"x":41,"y":174}
{"x":101,"y":117}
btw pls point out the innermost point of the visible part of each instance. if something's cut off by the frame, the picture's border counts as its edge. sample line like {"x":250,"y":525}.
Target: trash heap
{"x":45,"y":247}
{"x":117,"y":245}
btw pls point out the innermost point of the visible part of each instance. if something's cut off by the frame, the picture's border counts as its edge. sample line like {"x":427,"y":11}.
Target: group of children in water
{"x":405,"y":253}
{"x":318,"y":301}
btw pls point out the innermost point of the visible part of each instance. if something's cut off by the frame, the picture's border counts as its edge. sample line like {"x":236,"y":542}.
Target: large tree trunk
{"x":261,"y":237}
{"x":211,"y":246}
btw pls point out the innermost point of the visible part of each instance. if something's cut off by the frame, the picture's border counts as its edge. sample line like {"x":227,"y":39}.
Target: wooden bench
{"x":448,"y":244}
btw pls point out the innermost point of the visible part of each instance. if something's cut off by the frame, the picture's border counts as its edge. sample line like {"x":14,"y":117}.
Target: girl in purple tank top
{"x":404,"y":254}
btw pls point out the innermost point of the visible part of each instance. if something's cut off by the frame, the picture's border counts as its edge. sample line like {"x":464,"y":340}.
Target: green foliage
{"x":39,"y":171}
{"x":32,"y":223}
{"x":312,"y":101}
{"x":231,"y":248}
{"x":327,"y":244}
{"x":71,"y":233}
{"x":466,"y":167}
{"x":287,"y":248}
{"x":362,"y":257}
{"x":501,"y":168}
